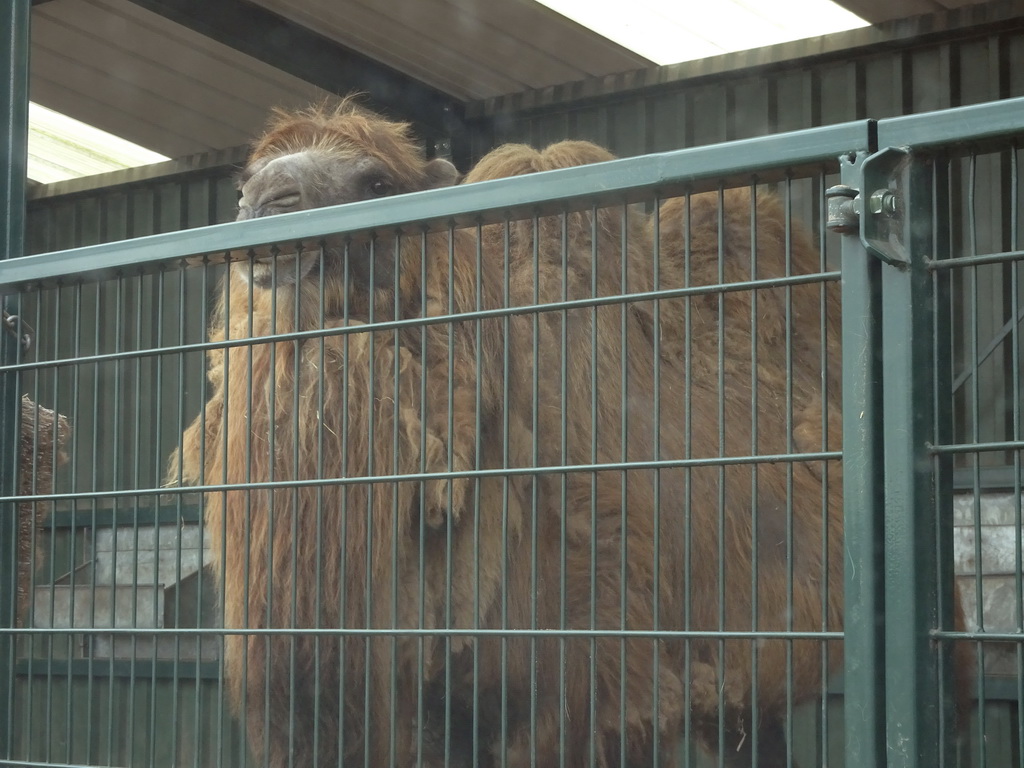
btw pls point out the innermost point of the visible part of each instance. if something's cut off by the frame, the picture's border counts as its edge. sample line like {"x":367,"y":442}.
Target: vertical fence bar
{"x":942,"y":434}
{"x":862,"y":497}
{"x":14,"y":48}
{"x":913,"y":735}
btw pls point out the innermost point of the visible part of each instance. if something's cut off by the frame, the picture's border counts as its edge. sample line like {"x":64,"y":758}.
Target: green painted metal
{"x":14,"y":47}
{"x":14,"y":122}
{"x":941,"y":227}
{"x":977,"y":123}
{"x":863,"y":498}
{"x":630,"y":180}
{"x":876,"y":206}
{"x":913,"y":703}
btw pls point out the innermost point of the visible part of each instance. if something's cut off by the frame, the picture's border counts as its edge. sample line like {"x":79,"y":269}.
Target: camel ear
{"x":441,"y":173}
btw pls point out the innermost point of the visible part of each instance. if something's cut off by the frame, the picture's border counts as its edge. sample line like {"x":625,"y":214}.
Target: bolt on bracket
{"x":876,"y":215}
{"x":880,"y":226}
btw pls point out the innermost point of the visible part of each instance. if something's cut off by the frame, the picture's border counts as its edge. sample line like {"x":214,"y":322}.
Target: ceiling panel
{"x":137,"y":74}
{"x":133,"y":73}
{"x":472,"y":49}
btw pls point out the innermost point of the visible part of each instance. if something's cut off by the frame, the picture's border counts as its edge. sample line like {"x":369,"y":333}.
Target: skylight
{"x":671,"y":31}
{"x":60,"y":148}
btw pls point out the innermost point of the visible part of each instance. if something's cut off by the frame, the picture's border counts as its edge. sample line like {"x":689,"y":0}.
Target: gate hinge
{"x":843,"y":203}
{"x":876,"y":217}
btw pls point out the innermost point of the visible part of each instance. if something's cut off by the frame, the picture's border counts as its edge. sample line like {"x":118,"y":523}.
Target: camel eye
{"x":380,"y":187}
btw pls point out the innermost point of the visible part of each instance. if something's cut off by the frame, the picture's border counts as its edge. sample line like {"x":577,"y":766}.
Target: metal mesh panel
{"x":982,"y":272}
{"x":539,"y":471}
{"x":571,"y":498}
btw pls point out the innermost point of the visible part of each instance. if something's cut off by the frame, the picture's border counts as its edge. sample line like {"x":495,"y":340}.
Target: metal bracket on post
{"x":880,"y":229}
{"x":876,"y":214}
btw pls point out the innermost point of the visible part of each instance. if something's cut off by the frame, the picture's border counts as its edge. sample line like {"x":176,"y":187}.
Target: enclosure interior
{"x":115,"y":541}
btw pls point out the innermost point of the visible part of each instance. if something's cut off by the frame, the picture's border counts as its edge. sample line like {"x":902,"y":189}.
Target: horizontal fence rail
{"x":625,"y":180}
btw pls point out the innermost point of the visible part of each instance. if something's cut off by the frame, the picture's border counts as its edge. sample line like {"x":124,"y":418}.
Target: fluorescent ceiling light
{"x":60,"y":148}
{"x":670,"y":31}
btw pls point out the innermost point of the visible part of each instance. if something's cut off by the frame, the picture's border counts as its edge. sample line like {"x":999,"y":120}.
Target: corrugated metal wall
{"x":104,"y":317}
{"x":131,"y":210}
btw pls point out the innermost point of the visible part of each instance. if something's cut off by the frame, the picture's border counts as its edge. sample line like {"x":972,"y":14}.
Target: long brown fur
{"x":607,"y":550}
{"x":42,"y":448}
{"x":738,"y":340}
{"x":795,"y":351}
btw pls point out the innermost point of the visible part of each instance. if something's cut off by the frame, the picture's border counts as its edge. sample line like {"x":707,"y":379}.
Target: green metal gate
{"x":116,"y":659}
{"x":928,"y":238}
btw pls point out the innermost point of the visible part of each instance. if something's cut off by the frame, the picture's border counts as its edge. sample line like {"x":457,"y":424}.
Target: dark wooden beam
{"x":304,"y":53}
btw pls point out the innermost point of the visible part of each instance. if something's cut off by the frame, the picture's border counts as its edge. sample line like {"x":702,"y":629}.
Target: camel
{"x":468,"y":600}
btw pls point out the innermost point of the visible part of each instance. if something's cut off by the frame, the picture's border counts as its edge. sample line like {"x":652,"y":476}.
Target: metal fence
{"x":586,"y":505}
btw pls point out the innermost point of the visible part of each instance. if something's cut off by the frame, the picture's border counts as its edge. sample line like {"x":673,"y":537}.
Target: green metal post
{"x":863,"y":501}
{"x":913,"y":703}
{"x":14,"y":48}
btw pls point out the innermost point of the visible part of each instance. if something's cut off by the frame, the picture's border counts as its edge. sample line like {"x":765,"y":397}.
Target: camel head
{"x":323,"y":156}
